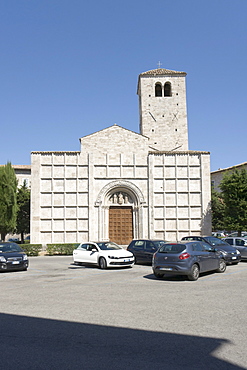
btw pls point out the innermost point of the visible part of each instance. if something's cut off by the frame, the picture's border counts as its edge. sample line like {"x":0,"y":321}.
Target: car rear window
{"x":172,"y":248}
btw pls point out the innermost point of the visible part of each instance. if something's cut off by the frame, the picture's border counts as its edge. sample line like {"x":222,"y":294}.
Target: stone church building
{"x":122,"y":184}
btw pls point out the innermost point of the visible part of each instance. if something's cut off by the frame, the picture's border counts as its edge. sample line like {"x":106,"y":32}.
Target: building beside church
{"x":217,"y":176}
{"x":122,"y":184}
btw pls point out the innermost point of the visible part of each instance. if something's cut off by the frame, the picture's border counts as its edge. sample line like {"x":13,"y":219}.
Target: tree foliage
{"x":23,"y":213}
{"x":8,"y":200}
{"x":234,"y":195}
{"x":218,"y":209}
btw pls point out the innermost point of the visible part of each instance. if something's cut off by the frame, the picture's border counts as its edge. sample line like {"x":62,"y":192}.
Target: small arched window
{"x":158,"y":89}
{"x":168,"y":89}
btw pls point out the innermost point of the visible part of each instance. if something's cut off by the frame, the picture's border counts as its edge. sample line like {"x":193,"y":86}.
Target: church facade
{"x":123,"y":185}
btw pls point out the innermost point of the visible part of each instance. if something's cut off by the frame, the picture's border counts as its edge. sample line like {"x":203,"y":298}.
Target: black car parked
{"x":12,"y":257}
{"x":187,"y":258}
{"x":143,"y":249}
{"x":231,"y":254}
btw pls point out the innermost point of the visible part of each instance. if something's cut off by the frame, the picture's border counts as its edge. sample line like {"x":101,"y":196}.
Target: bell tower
{"x":163,"y":110}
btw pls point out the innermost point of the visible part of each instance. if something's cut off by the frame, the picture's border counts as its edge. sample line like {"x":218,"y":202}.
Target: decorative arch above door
{"x":120,"y":211}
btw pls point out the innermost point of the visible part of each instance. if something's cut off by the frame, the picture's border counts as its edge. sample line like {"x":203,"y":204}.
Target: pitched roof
{"x":112,"y":127}
{"x":162,"y":72}
{"x":244,"y":164}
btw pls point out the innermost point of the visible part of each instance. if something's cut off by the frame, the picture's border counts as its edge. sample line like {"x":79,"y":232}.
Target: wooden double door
{"x":121,"y":224}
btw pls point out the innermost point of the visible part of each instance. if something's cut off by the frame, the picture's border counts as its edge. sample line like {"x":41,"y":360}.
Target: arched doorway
{"x":120,"y":212}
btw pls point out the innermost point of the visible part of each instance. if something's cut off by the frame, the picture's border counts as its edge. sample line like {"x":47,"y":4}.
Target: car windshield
{"x":108,"y":246}
{"x":172,"y":248}
{"x":214,"y":241}
{"x":11,"y":247}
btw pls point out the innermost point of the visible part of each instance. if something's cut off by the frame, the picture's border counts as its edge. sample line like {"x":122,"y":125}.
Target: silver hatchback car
{"x":238,"y":243}
{"x":187,"y":258}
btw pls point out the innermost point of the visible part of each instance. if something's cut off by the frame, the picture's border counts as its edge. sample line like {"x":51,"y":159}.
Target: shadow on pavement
{"x":35,"y":343}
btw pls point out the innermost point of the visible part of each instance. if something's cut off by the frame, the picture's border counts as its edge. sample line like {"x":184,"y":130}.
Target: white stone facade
{"x":76,"y":196}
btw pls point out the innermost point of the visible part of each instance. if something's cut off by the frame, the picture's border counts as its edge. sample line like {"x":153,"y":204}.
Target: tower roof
{"x":162,"y":72}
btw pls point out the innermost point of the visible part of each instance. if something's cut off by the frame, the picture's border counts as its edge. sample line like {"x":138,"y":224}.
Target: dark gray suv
{"x":187,"y":258}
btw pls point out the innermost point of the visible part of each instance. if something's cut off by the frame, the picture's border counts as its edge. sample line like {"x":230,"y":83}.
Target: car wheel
{"x":222,"y":266}
{"x":158,"y":275}
{"x":194,"y":273}
{"x":102,"y":263}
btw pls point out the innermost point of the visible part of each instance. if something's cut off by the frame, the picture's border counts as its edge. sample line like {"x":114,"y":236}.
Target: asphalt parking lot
{"x":60,"y":316}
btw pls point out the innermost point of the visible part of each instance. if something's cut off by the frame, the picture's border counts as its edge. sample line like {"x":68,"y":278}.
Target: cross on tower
{"x":159,"y":64}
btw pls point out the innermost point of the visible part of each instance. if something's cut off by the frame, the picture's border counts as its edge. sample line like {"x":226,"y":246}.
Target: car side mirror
{"x":94,"y":249}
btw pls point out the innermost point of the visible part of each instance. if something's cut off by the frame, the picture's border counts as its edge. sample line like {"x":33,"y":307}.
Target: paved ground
{"x":61,"y":316}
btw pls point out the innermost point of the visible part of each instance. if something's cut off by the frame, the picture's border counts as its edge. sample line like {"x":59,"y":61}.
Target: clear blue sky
{"x":70,"y":68}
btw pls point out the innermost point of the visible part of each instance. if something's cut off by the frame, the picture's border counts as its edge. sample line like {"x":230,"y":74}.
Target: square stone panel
{"x":45,"y":212}
{"x":83,"y":172}
{"x":183,"y":199}
{"x":114,"y":171}
{"x":58,"y":171}
{"x":70,"y":225}
{"x":71,"y":185}
{"x":58,"y":199}
{"x":46,"y":185}
{"x":82,"y":199}
{"x":70,"y":199}
{"x":58,"y":212}
{"x":158,"y":185}
{"x":170,"y":199}
{"x":70,"y":212}
{"x":46,"y":171}
{"x":195,"y":199}
{"x":82,"y":212}
{"x":46,"y":237}
{"x":45,"y":225}
{"x":182,"y":185}
{"x":182,"y":172}
{"x":100,"y":171}
{"x":170,"y":172}
{"x":71,"y":237}
{"x":158,"y":199}
{"x":170,"y":212}
{"x":45,"y":199}
{"x":158,"y":172}
{"x":58,"y":185}
{"x":58,"y":225}
{"x":71,"y":171}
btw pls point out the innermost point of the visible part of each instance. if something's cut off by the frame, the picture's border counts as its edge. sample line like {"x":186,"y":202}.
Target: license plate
{"x":15,"y":263}
{"x":127,"y":260}
{"x":166,"y":268}
{"x":234,"y":258}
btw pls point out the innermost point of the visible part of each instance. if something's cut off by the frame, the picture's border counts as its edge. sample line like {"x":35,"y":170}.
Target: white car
{"x":103,"y":254}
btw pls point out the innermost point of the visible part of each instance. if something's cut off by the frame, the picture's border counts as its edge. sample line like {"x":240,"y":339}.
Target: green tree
{"x":8,"y":200}
{"x":23,"y":212}
{"x":234,"y":194}
{"x":218,"y":210}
